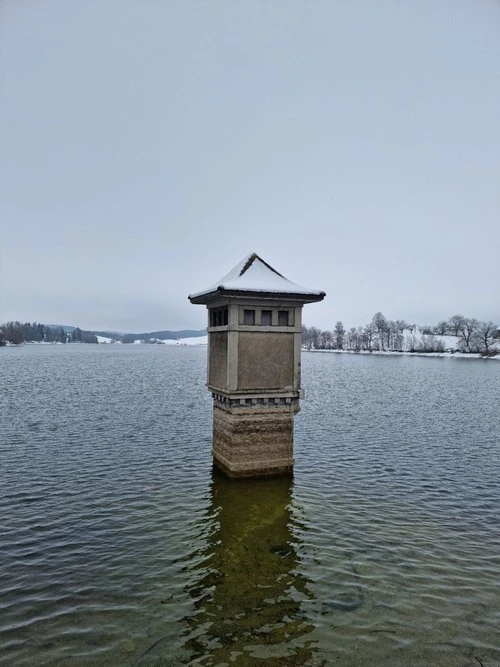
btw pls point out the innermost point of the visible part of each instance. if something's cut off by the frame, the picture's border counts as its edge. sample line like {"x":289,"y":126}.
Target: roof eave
{"x":207,"y":297}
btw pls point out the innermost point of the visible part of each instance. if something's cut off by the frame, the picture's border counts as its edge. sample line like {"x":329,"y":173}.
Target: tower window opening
{"x":283,"y":318}
{"x":249,"y":317}
{"x":266,"y":318}
{"x":219,"y":317}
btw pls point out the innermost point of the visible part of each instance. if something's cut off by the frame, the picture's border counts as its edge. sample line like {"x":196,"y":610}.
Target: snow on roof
{"x":253,"y":274}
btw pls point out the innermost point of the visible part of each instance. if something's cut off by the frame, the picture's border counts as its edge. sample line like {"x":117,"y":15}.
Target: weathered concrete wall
{"x":265,"y":360}
{"x":217,"y":372}
{"x":253,"y":444}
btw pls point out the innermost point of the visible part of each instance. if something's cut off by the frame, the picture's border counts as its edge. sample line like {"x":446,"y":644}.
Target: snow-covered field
{"x":195,"y":340}
{"x":449,"y":342}
{"x":103,"y":339}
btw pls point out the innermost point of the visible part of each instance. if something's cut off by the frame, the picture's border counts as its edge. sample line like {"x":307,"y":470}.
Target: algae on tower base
{"x":254,"y":345}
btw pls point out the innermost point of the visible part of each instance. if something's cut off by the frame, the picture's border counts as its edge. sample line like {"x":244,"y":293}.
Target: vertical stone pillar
{"x":254,"y":330}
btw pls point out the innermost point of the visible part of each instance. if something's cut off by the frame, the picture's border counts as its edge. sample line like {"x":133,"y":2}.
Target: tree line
{"x":382,"y":334}
{"x":33,"y":332}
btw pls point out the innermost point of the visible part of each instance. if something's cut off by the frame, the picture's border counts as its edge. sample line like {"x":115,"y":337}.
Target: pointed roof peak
{"x":254,"y":275}
{"x":255,"y":257}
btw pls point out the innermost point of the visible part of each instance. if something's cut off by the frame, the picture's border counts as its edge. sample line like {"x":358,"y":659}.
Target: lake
{"x":121,"y":546}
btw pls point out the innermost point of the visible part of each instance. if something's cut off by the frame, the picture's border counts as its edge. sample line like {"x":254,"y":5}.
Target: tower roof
{"x":255,"y":275}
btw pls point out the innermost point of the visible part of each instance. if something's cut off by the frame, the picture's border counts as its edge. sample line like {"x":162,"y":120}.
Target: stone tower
{"x":254,"y":335}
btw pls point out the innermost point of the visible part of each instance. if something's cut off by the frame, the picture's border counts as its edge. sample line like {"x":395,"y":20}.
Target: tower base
{"x":253,"y":441}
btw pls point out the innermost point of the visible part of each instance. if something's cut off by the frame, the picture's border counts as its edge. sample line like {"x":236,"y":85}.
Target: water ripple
{"x":121,"y":546}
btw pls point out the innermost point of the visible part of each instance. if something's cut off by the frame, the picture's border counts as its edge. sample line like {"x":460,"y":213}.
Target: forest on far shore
{"x":381,"y":334}
{"x":17,"y":333}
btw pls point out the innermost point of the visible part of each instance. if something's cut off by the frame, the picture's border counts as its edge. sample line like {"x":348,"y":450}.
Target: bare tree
{"x":396,"y":336}
{"x":315,"y":334}
{"x":339,"y":333}
{"x":402,"y":325}
{"x":325,"y":340}
{"x":430,"y":344}
{"x":442,"y":328}
{"x":381,"y":327}
{"x":353,"y":339}
{"x":485,"y":335}
{"x":467,"y":331}
{"x":368,"y":334}
{"x":412,"y":343}
{"x":456,"y":323}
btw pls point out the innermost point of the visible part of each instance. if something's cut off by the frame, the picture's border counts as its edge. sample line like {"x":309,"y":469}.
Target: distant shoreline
{"x":391,"y":353}
{"x":379,"y":353}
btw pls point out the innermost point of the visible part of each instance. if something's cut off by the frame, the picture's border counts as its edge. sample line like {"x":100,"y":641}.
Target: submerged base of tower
{"x":253,"y":436}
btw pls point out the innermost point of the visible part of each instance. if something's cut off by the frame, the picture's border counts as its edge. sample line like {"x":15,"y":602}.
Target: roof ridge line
{"x":252,"y":259}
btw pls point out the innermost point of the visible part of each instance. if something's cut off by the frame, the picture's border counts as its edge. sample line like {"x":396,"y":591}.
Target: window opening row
{"x":220,"y":317}
{"x":266,"y":317}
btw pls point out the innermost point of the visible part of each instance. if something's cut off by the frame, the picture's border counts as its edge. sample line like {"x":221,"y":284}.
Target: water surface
{"x":119,"y":545}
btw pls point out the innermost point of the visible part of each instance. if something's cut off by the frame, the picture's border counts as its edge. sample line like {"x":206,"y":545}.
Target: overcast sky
{"x":146,"y":146}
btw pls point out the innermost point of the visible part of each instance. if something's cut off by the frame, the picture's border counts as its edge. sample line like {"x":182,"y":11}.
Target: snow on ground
{"x":449,"y":342}
{"x":195,"y":340}
{"x":103,"y":339}
{"x":389,"y":353}
{"x":452,"y":343}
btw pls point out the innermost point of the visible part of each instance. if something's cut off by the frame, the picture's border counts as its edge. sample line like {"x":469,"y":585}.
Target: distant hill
{"x":65,"y":327}
{"x":33,"y":332}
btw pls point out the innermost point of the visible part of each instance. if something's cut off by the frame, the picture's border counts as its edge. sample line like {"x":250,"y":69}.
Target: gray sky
{"x":146,"y":146}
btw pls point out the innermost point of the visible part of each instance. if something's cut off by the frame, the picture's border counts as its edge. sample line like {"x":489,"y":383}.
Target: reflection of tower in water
{"x":248,"y":595}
